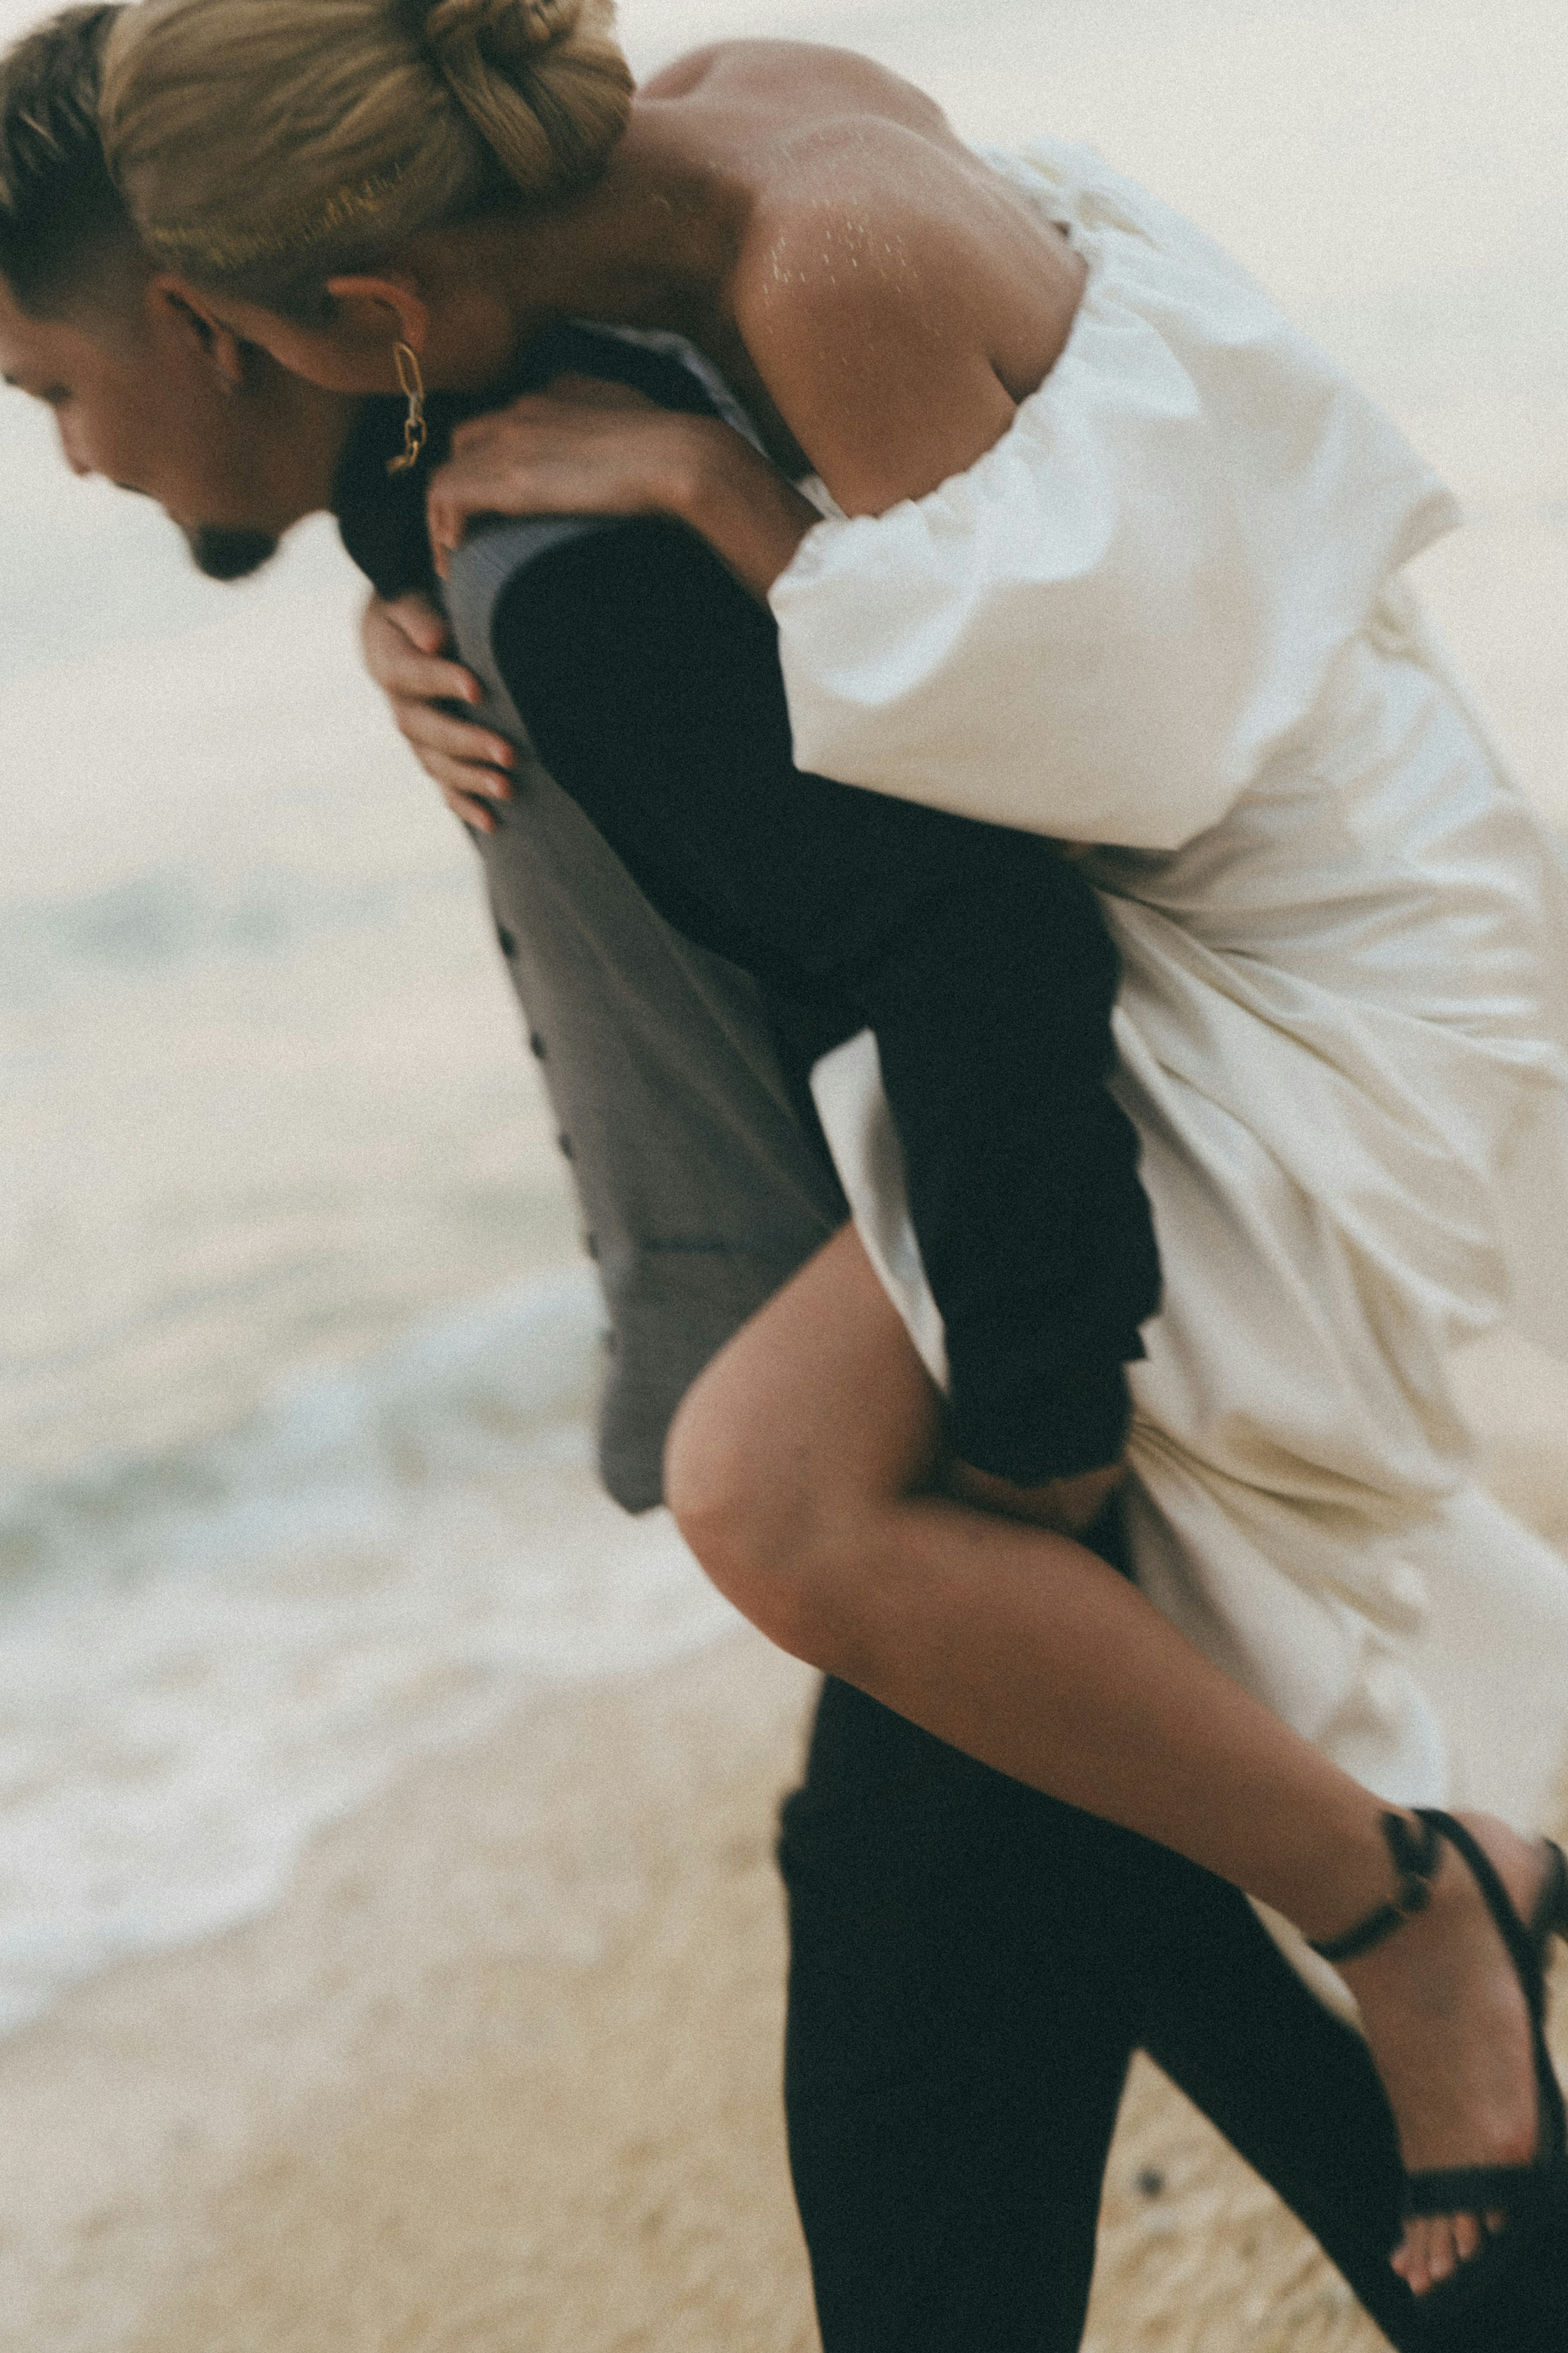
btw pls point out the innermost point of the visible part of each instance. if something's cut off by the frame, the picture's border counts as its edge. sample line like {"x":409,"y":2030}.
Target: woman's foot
{"x":1448,"y":2028}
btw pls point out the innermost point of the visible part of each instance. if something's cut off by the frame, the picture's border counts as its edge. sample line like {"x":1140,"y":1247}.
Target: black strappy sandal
{"x":1513,"y":2292}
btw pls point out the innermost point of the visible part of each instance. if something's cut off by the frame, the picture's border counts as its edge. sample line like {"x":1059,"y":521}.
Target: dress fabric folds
{"x":1163,"y":619}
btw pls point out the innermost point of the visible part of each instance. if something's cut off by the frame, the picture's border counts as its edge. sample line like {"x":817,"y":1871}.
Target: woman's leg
{"x":800,"y":1468}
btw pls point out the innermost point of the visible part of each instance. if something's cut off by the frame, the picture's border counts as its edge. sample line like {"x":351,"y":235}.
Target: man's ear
{"x":376,"y":312}
{"x":184,"y":308}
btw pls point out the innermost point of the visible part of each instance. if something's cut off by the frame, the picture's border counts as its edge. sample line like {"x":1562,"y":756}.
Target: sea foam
{"x":217,"y":1653}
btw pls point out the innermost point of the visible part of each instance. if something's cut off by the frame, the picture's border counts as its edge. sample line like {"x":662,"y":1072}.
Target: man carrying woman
{"x":1128,"y":458}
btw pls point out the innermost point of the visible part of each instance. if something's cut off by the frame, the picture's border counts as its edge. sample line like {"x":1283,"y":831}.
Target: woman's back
{"x":866,"y":256}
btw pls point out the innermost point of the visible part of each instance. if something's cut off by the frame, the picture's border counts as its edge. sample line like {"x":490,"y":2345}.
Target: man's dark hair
{"x":64,"y":233}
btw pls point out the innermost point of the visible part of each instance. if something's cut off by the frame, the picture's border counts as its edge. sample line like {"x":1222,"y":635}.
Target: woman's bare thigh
{"x":818,"y":1410}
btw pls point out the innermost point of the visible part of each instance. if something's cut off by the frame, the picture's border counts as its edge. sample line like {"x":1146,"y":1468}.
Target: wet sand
{"x":501,"y":2074}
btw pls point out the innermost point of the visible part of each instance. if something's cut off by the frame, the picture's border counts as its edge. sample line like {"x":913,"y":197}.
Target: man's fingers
{"x":471,"y":811}
{"x":1068,"y":1505}
{"x":461,"y":776}
{"x":422,"y":623}
{"x":403,"y":640}
{"x":401,"y":667}
{"x":436,"y":734}
{"x":409,"y":676}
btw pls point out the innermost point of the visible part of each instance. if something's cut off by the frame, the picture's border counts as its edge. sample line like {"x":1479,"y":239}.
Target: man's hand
{"x":1068,"y":1505}
{"x":404,"y":646}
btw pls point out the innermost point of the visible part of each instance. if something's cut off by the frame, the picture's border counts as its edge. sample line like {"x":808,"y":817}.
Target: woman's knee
{"x":745,"y":1501}
{"x":791,"y":1454}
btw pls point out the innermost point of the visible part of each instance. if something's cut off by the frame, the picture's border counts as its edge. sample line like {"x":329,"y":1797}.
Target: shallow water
{"x":296,"y":1364}
{"x":295,"y":1360}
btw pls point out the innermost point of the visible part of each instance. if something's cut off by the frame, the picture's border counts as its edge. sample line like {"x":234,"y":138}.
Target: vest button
{"x":505,"y":942}
{"x":536,"y":1046}
{"x":591,"y":1244}
{"x":565,"y":1141}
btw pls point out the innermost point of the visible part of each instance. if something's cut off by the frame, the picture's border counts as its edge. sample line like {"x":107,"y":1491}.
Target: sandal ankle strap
{"x":1416,"y":1853}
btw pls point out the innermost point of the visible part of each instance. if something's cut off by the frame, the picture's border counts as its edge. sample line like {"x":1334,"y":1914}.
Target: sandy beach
{"x":500,"y":2072}
{"x":453,"y":2025}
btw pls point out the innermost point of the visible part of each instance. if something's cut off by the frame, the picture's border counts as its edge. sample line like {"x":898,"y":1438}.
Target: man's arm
{"x":649,"y":683}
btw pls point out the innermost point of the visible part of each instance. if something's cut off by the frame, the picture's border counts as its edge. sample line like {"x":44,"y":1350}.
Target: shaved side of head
{"x":68,"y":245}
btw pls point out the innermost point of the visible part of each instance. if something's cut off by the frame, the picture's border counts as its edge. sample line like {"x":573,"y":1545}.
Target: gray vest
{"x":701,"y":1191}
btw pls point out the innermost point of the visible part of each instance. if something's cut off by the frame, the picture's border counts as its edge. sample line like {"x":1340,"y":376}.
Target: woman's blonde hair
{"x":264,"y":147}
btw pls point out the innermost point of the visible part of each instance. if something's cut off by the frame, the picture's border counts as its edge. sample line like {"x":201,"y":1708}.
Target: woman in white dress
{"x":1063,"y":528}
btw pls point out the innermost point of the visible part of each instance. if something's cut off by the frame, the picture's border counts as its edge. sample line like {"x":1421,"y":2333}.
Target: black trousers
{"x":971,"y":1968}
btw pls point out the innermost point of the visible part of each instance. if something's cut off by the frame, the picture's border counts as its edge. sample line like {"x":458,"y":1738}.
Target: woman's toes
{"x":1411,"y":2260}
{"x":1468,"y":2237}
{"x":1432,"y":2248}
{"x":1442,"y":2255}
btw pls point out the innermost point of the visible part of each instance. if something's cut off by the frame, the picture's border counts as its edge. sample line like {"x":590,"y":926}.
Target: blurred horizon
{"x":1391,"y":169}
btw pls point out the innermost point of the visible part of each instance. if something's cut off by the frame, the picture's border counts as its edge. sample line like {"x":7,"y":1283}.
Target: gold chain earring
{"x":414,"y":428}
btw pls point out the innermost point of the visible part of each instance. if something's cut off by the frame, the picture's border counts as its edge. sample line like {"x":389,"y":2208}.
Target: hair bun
{"x":543,"y":81}
{"x":505,"y":31}
{"x":268,"y":146}
{"x":548,"y":21}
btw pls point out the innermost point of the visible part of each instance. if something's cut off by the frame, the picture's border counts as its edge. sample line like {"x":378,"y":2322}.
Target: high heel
{"x":1550,"y":1917}
{"x":1516,"y":2286}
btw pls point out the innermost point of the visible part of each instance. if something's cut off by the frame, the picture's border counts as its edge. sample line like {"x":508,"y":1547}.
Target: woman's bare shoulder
{"x":892,"y":297}
{"x":792,"y":77}
{"x":899,"y":300}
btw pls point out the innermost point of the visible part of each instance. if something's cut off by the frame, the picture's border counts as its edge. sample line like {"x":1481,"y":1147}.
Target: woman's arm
{"x":571,"y":450}
{"x":892,"y":342}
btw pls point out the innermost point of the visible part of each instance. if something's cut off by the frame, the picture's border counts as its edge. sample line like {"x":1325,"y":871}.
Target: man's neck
{"x":299,"y":433}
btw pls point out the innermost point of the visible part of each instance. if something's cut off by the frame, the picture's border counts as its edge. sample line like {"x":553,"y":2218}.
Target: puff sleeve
{"x":1106,"y":627}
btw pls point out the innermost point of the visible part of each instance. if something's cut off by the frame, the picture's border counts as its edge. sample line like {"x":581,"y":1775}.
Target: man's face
{"x":145,"y":406}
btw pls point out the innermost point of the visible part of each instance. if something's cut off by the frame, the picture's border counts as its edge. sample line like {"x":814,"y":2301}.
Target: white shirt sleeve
{"x":1108,"y":626}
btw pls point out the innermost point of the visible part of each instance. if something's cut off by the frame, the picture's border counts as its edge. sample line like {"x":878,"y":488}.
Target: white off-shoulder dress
{"x":1163,"y":616}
